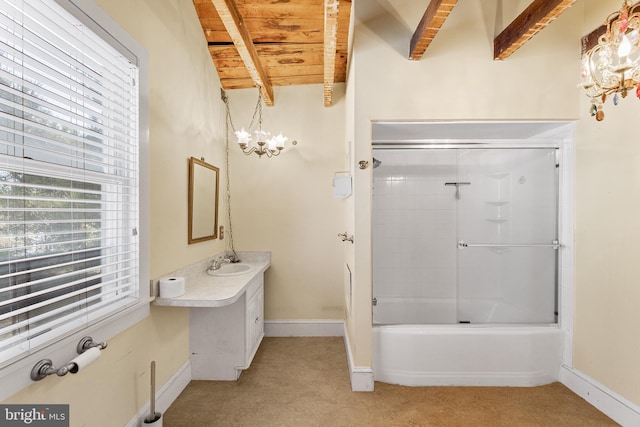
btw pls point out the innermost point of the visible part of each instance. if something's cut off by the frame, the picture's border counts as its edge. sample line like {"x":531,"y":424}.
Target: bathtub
{"x":465,"y":354}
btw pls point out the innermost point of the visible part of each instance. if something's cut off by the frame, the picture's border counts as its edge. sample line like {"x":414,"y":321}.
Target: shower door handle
{"x":457,"y":184}
{"x":553,"y":245}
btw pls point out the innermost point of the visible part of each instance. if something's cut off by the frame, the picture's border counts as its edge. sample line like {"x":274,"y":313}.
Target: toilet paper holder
{"x":87,"y":342}
{"x":44,"y":367}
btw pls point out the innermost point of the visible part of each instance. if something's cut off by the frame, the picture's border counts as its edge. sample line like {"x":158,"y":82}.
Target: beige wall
{"x":457,"y":79}
{"x":285,"y":204}
{"x":606,"y":344}
{"x":185,"y":120}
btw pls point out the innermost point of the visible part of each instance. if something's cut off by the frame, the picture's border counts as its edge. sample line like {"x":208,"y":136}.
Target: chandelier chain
{"x":228,"y":123}
{"x":257,"y":110}
{"x":265,"y":144}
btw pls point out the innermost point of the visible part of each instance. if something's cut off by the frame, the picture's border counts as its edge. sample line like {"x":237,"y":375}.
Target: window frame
{"x":15,"y":376}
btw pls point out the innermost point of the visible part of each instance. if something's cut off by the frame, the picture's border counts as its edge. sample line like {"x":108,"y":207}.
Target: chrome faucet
{"x":217,"y":263}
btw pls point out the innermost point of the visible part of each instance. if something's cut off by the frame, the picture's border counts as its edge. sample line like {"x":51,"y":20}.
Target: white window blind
{"x":68,"y":177}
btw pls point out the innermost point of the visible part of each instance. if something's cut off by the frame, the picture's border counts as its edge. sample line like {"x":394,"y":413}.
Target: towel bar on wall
{"x":554,"y":245}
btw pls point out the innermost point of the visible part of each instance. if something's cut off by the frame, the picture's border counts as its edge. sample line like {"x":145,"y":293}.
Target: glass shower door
{"x":507,"y":235}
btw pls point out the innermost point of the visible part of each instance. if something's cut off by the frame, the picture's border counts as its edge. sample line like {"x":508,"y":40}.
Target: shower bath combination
{"x":466,"y":255}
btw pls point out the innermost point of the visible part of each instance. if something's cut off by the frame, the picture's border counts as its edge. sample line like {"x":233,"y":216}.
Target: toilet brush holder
{"x":154,"y":417}
{"x":156,"y":421}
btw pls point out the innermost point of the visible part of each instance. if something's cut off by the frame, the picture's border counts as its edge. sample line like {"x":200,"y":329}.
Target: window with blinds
{"x":68,"y":177}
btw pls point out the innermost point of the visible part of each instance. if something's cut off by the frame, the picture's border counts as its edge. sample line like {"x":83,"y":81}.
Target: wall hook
{"x":345,"y":238}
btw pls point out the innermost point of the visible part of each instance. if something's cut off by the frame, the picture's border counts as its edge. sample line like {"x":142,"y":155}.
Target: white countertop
{"x":204,"y":290}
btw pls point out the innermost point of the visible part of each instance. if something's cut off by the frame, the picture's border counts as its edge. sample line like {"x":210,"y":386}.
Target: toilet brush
{"x":154,"y":417}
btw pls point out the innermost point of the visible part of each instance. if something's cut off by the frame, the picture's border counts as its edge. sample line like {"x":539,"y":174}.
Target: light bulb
{"x":625,"y":47}
{"x":243,"y":137}
{"x":261,"y":135}
{"x":280,"y":140}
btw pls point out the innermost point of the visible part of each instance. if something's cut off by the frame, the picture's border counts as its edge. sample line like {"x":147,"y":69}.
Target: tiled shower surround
{"x":504,"y":196}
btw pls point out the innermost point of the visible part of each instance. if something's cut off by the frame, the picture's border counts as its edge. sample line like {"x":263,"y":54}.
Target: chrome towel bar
{"x":553,"y":245}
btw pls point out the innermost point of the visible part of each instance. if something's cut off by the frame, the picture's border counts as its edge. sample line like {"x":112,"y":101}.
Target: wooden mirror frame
{"x":200,"y":196}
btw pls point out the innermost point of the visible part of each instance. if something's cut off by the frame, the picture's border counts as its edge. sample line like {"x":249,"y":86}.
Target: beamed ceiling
{"x":266,"y":43}
{"x":270,"y":43}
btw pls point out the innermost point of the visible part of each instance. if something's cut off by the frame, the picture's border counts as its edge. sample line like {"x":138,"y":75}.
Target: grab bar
{"x":554,"y":245}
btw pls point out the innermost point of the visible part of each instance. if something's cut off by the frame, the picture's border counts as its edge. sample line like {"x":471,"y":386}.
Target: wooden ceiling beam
{"x":437,"y":12}
{"x":590,"y":40}
{"x":331,"y":8}
{"x":232,"y":20}
{"x":529,"y":23}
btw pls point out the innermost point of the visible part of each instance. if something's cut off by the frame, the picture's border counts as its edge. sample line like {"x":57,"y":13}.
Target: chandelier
{"x":265,"y":143}
{"x":612,"y":67}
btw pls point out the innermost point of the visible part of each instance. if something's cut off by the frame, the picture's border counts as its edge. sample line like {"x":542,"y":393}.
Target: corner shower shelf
{"x":498,"y":220}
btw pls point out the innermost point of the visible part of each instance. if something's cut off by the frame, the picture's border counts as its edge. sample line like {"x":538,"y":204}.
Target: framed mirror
{"x":203,"y":201}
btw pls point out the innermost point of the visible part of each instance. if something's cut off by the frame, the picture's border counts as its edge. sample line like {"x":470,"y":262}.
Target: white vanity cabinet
{"x":226,"y":315}
{"x":224,"y":340}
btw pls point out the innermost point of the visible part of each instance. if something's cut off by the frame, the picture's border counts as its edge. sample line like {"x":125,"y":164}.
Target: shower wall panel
{"x":414,"y":230}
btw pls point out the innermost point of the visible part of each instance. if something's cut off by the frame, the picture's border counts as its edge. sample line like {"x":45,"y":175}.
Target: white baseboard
{"x":610,"y":403}
{"x":303,"y":328}
{"x":361,"y":377}
{"x":165,"y":396}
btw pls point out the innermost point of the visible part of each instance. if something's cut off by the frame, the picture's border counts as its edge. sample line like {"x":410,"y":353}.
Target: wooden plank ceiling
{"x":266,"y":43}
{"x":270,"y":43}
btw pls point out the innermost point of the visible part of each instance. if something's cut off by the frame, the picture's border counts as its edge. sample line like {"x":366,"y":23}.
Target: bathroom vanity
{"x":226,"y":315}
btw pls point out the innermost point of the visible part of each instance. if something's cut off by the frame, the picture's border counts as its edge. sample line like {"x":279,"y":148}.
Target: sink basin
{"x":231,"y":270}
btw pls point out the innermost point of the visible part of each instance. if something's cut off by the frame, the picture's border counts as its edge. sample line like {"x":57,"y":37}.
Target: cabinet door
{"x":258,"y":319}
{"x":254,"y":319}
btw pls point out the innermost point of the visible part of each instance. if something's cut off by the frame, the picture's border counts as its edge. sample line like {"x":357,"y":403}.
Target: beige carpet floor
{"x":305,"y":382}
